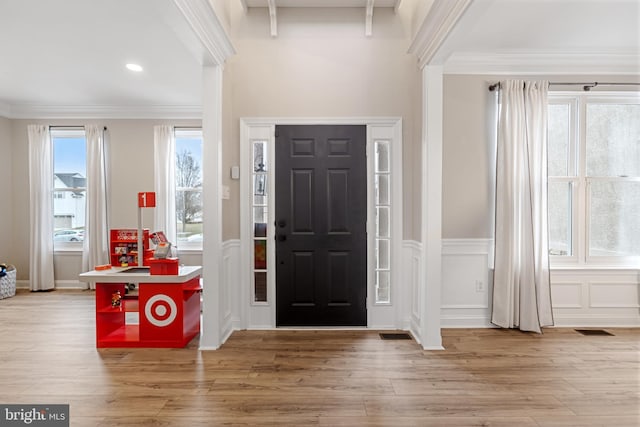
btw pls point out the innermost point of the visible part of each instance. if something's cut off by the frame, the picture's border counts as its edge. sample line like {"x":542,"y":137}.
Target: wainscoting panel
{"x":596,"y":297}
{"x":230,"y":289}
{"x":410,"y":291}
{"x":613,"y":295}
{"x":466,"y":286}
{"x":567,"y":294}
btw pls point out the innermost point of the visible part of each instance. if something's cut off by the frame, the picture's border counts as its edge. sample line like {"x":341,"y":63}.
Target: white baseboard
{"x":59,"y":284}
{"x":71,"y":284}
{"x":466,"y":321}
{"x":596,"y":321}
{"x":23,"y":284}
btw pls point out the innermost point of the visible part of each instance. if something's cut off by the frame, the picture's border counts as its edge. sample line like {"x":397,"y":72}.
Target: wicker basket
{"x":8,"y":283}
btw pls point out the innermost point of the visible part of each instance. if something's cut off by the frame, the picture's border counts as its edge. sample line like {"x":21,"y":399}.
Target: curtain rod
{"x":585,"y":86}
{"x":71,"y":127}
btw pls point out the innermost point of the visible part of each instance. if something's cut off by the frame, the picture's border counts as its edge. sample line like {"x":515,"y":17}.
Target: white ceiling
{"x":545,"y":27}
{"x":71,"y":53}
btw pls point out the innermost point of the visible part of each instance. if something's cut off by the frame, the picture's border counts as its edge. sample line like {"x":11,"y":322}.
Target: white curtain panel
{"x":41,"y":276}
{"x":164,"y":153}
{"x":521,"y":290}
{"x":96,"y":237}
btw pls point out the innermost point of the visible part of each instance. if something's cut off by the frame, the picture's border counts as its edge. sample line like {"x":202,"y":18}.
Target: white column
{"x":210,"y":332}
{"x":432,"y":115}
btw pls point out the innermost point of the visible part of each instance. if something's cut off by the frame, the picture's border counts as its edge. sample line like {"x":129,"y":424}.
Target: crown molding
{"x":247,"y":4}
{"x":544,"y":63}
{"x":440,"y":20}
{"x":101,"y":112}
{"x":206,"y":25}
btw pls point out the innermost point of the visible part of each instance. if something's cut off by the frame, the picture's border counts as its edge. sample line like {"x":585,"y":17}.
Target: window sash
{"x":60,"y":133}
{"x":196,"y":244}
{"x":592,"y":258}
{"x":580,"y":183}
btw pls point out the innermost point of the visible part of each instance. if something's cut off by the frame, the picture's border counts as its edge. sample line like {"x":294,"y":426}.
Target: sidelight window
{"x":259,"y":213}
{"x":382,"y":178}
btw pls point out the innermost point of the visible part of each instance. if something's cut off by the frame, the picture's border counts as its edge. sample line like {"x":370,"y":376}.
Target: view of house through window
{"x":594,"y":178}
{"x":189,"y":187}
{"x":69,"y":182}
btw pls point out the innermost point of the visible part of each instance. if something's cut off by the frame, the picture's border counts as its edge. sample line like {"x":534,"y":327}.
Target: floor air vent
{"x":395,"y":336}
{"x":593,"y":332}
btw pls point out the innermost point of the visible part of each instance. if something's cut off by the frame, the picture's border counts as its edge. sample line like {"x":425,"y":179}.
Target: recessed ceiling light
{"x":134,"y":67}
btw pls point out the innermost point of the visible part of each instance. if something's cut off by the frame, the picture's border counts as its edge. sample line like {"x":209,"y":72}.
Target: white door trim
{"x":262,"y":315}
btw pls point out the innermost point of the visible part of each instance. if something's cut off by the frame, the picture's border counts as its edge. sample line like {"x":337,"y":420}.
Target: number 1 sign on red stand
{"x":147,"y":200}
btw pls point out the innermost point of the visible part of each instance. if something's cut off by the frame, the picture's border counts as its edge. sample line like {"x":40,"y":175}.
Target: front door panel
{"x":321,"y":213}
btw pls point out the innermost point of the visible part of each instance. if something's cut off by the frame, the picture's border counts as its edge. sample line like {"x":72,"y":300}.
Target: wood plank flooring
{"x":485,"y":377}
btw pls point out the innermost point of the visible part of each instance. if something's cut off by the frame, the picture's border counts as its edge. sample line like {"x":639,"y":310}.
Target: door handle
{"x":282,"y":223}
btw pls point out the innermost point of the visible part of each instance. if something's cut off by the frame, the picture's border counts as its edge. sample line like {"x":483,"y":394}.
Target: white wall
{"x":131,"y":171}
{"x":321,"y":65}
{"x":467,"y":175}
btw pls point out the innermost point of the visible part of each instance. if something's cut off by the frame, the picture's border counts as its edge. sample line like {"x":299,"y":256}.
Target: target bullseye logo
{"x":160,"y":310}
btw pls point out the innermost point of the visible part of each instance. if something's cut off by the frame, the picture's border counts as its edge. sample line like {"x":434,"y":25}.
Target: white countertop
{"x":120,"y":275}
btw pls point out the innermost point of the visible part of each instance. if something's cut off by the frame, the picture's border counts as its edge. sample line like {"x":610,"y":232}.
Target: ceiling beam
{"x":273,"y":17}
{"x":368,"y":20}
{"x":245,"y":6}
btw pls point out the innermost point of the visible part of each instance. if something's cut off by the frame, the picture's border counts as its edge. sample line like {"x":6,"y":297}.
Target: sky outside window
{"x":69,"y":155}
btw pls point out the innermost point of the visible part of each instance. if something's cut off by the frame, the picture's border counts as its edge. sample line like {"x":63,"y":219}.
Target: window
{"x":260,"y":209}
{"x":189,"y":187}
{"x":70,"y":185}
{"x":594,"y":179}
{"x":382,"y":185}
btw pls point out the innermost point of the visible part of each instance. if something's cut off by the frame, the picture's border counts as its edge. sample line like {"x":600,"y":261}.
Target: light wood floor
{"x":338,"y":378}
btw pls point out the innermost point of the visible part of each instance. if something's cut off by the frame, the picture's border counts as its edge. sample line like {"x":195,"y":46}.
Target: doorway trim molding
{"x":260,"y":315}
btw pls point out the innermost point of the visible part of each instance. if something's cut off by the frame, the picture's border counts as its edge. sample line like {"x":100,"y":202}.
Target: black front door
{"x":321,"y":216}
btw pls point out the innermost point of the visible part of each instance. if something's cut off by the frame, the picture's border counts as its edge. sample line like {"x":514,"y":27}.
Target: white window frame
{"x":576,"y":176}
{"x":185,"y":246}
{"x":67,"y":132}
